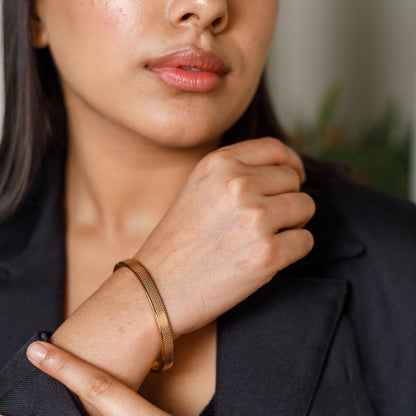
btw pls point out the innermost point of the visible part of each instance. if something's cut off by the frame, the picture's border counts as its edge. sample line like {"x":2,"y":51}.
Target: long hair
{"x":35,"y":121}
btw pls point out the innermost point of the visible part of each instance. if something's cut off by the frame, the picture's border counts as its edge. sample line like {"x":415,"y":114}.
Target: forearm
{"x":115,"y":330}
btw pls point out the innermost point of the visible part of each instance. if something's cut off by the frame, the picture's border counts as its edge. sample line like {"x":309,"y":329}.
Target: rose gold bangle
{"x":159,"y":311}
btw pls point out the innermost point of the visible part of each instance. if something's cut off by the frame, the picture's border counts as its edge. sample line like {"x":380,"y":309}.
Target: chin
{"x":175,"y":136}
{"x":180,"y":141}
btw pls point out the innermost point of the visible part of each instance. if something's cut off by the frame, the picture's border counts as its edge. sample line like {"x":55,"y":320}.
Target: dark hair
{"x":35,"y":118}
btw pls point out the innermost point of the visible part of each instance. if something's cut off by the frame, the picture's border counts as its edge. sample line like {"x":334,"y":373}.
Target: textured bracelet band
{"x":159,"y":311}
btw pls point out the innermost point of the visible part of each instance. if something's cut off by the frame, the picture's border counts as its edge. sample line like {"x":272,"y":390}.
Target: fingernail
{"x":36,"y":352}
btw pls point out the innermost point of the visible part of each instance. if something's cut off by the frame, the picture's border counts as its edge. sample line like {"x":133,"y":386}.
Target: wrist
{"x":159,"y":312}
{"x":114,"y":330}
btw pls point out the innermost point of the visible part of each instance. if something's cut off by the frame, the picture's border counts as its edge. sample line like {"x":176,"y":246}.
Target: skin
{"x":102,"y":49}
{"x":143,"y":177}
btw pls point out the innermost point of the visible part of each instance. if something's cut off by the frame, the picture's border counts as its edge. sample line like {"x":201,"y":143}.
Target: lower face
{"x":111,"y":57}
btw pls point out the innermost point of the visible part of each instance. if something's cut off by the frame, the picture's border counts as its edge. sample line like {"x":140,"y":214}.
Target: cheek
{"x":82,"y":24}
{"x":253,"y":28}
{"x":86,"y":20}
{"x":254,"y":34}
{"x":261,"y":30}
{"x":251,"y":32}
{"x":88,"y":37}
{"x":117,"y":15}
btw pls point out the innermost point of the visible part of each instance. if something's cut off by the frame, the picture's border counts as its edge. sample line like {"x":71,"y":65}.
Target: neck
{"x":122,"y":184}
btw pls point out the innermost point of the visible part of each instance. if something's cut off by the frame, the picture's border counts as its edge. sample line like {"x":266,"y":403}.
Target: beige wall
{"x":366,"y":45}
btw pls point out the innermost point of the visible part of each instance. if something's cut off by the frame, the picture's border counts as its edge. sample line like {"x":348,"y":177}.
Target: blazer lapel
{"x":272,"y":347}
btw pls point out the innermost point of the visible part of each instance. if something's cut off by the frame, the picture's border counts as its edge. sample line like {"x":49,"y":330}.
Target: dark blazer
{"x":334,"y":334}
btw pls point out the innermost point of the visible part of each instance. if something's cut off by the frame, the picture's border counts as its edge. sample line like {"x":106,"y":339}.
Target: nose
{"x":201,"y":14}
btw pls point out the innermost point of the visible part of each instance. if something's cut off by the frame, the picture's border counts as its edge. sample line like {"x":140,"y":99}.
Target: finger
{"x":291,"y":210}
{"x":278,"y":213}
{"x":291,"y":246}
{"x":106,"y":394}
{"x":275,"y":180}
{"x":267,"y":151}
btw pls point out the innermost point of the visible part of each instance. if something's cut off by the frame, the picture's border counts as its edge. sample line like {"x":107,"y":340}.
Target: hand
{"x":237,"y":222}
{"x":106,"y":395}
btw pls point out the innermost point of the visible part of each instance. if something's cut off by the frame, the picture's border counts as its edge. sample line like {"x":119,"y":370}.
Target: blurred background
{"x":343,"y":77}
{"x":343,"y":80}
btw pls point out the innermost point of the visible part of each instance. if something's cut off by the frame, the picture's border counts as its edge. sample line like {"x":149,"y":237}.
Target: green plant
{"x":378,"y":154}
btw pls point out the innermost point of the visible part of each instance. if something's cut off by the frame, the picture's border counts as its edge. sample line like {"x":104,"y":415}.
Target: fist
{"x":236,"y":223}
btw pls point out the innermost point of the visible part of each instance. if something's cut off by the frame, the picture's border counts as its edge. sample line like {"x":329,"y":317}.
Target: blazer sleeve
{"x":27,"y":391}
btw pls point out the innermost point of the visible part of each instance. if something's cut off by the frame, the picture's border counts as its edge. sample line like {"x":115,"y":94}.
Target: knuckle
{"x":219,"y":157}
{"x":272,"y":141}
{"x":280,"y":148}
{"x":58,"y":364}
{"x":266,"y":140}
{"x":212,"y":162}
{"x":256,"y":217}
{"x":98,"y":385}
{"x":239,"y":185}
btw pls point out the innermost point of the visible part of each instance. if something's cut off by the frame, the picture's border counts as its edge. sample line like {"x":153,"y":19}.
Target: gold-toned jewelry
{"x":159,"y":311}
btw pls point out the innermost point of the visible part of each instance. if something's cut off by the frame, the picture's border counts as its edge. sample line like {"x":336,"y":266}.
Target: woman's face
{"x":176,"y":72}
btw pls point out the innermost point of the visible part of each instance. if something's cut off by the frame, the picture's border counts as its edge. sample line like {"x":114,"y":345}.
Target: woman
{"x":121,"y":115}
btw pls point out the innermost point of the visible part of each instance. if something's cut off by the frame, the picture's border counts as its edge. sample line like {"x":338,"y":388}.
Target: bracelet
{"x":159,"y":311}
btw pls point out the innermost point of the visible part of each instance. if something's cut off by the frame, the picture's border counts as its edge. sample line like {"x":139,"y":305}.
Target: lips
{"x":190,"y":69}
